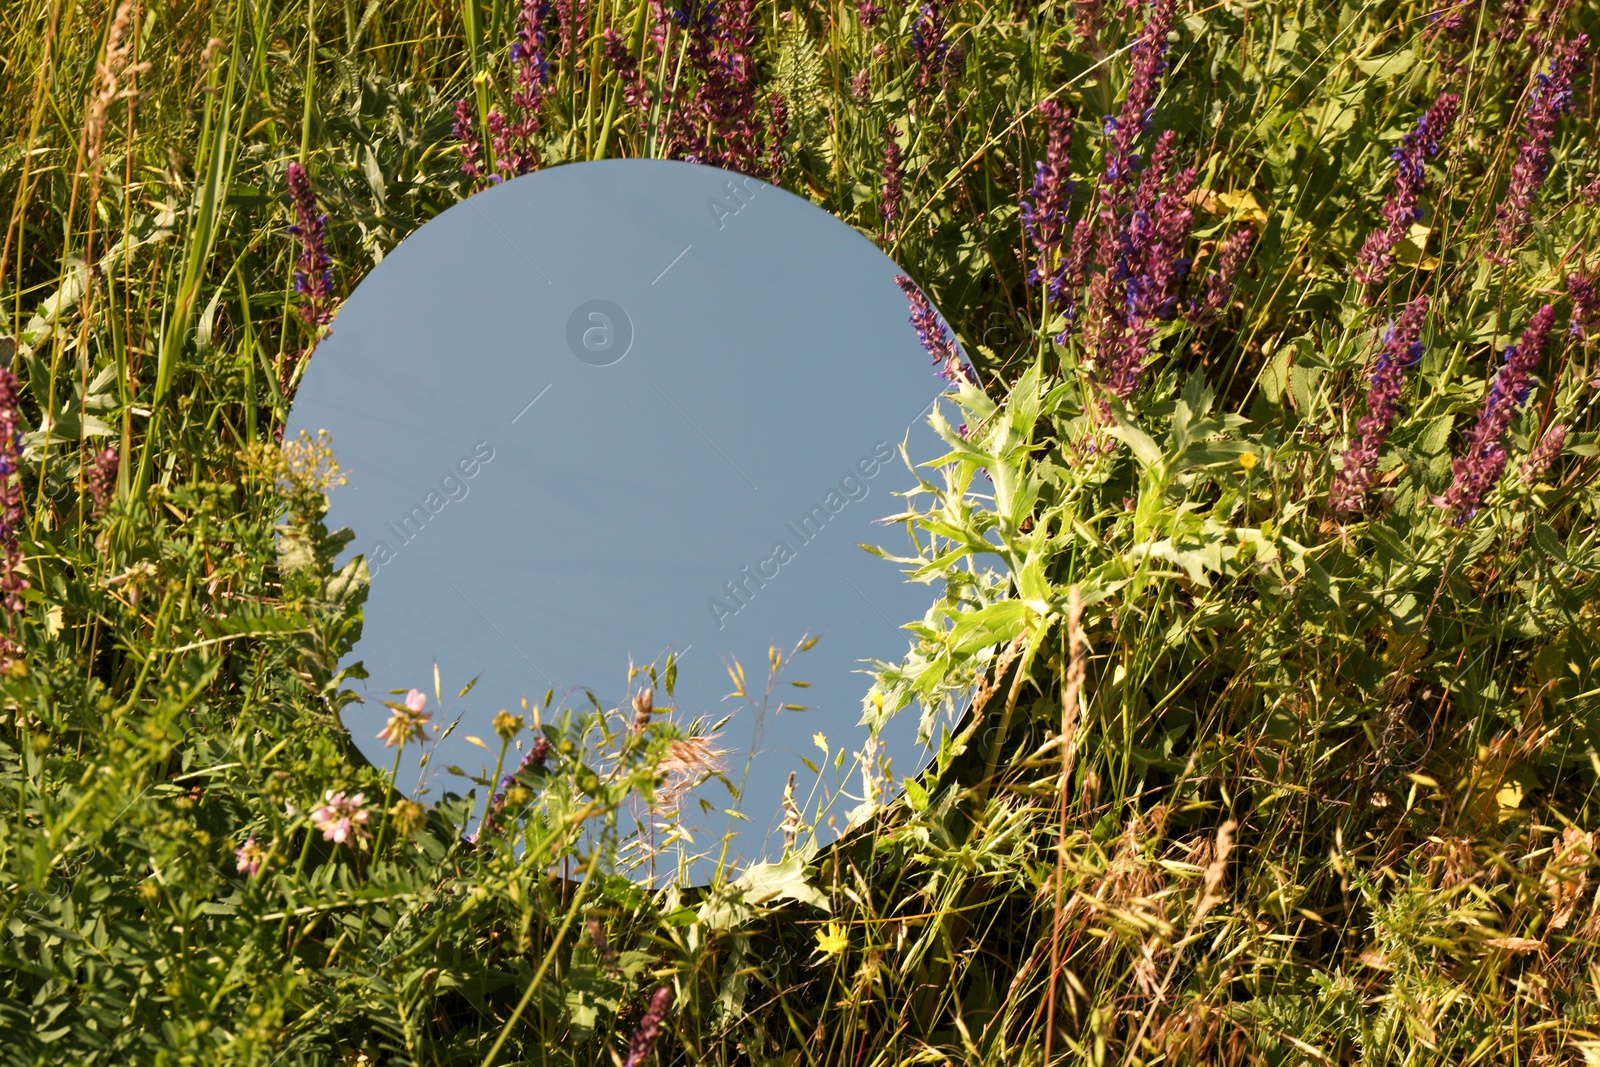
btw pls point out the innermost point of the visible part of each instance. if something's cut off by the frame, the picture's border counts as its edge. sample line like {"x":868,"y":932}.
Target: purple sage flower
{"x":1086,"y":19}
{"x":861,"y":86}
{"x":1550,"y":96}
{"x":935,"y":335}
{"x":572,"y":22}
{"x":1512,"y":15}
{"x":927,"y":41}
{"x":869,"y":13}
{"x":1483,"y":459}
{"x":1123,"y":130}
{"x":777,"y":133}
{"x":648,"y":1032}
{"x":1148,"y":267}
{"x":515,"y":138}
{"x":720,"y":125}
{"x":889,"y":201}
{"x":1402,"y":209}
{"x":1220,"y":282}
{"x":12,"y":583}
{"x":1544,"y":453}
{"x":1044,"y":210}
{"x":100,"y":479}
{"x":1581,"y":288}
{"x":313,"y":275}
{"x":1402,"y":348}
{"x":465,"y":129}
{"x":634,"y":93}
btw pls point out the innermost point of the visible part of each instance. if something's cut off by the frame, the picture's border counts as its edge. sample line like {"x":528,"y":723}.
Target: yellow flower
{"x":833,"y":940}
{"x":1248,"y":460}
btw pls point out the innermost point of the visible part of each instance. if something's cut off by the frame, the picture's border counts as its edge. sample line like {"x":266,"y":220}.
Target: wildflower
{"x":1548,"y":99}
{"x":12,"y":583}
{"x":927,"y":41}
{"x":1219,"y":283}
{"x":250,"y":857}
{"x":1544,"y":453}
{"x":1402,"y":348}
{"x":313,"y":275}
{"x":514,"y":139}
{"x":1044,"y":211}
{"x":720,"y":125}
{"x":341,"y":818}
{"x":1086,"y":19}
{"x":101,"y":481}
{"x":1410,"y":179}
{"x":889,"y":202}
{"x":1147,"y":267}
{"x":1483,"y":460}
{"x":406,"y":815}
{"x":869,"y":13}
{"x":861,"y":86}
{"x":467,"y":141}
{"x":648,"y":1032}
{"x":1585,"y":304}
{"x":634,"y":93}
{"x":406,"y":721}
{"x":834,"y":940}
{"x":777,"y":133}
{"x":1590,"y":193}
{"x":572,"y":19}
{"x":1148,"y":57}
{"x":507,"y":725}
{"x":935,"y":335}
{"x":1512,"y":13}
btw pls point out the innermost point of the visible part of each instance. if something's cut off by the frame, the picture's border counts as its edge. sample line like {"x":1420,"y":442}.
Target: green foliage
{"x":1220,"y":775}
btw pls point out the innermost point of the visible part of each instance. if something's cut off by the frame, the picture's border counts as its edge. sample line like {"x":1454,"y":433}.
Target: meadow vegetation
{"x":1261,"y":574}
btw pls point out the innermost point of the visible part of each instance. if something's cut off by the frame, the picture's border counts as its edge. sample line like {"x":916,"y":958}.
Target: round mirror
{"x":615,"y":411}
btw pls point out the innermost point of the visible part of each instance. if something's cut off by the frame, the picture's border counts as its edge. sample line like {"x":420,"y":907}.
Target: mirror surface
{"x":613,"y":410}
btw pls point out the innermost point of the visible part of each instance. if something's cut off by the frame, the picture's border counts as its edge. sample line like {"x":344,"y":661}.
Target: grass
{"x":1247,"y":779}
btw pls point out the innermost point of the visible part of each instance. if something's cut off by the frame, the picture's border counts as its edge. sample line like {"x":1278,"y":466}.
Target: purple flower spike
{"x":1044,"y":212}
{"x":1544,"y":453}
{"x":1401,"y":209}
{"x":1146,"y":268}
{"x":1483,"y":460}
{"x":869,"y":13}
{"x":927,"y":41}
{"x":313,"y":275}
{"x":935,"y":335}
{"x":468,"y":143}
{"x":12,"y":583}
{"x":572,"y":20}
{"x":889,"y":203}
{"x":1219,"y":283}
{"x":1546,"y":101}
{"x":634,"y":93}
{"x":1125,"y":128}
{"x":1402,"y":347}
{"x":648,"y":1032}
{"x":515,"y":138}
{"x":1585,"y":303}
{"x":101,"y":481}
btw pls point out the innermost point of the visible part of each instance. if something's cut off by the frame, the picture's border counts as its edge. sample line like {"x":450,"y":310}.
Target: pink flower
{"x":407,"y":720}
{"x":250,"y":857}
{"x":341,"y":818}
